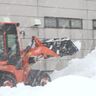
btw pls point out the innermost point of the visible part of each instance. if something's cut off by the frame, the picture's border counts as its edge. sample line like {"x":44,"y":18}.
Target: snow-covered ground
{"x":78,"y":79}
{"x":63,"y":86}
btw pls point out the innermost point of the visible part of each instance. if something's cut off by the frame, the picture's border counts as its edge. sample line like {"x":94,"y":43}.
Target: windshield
{"x":1,"y":43}
{"x":8,"y":41}
{"x":11,"y":44}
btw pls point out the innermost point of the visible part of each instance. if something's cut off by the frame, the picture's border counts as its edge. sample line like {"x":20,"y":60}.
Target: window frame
{"x":70,"y":23}
{"x":81,"y":27}
{"x":94,"y":28}
{"x":65,"y":19}
{"x":50,"y":26}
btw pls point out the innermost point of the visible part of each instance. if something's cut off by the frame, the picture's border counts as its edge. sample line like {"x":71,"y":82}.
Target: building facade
{"x":75,"y":19}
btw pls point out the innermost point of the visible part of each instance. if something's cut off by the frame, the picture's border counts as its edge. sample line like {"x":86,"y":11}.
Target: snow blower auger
{"x":15,"y":62}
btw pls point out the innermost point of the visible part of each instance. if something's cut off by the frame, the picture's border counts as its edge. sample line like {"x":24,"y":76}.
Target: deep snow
{"x":78,"y":79}
{"x":84,"y":67}
{"x":63,"y":86}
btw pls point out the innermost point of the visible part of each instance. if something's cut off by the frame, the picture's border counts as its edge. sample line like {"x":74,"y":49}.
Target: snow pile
{"x":83,"y":67}
{"x":64,"y":86}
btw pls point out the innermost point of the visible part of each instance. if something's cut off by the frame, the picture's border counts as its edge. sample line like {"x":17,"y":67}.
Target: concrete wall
{"x":25,"y":11}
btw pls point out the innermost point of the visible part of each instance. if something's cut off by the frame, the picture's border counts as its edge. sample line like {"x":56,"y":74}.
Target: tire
{"x":31,"y":79}
{"x":36,"y":77}
{"x":7,"y":79}
{"x":43,"y":79}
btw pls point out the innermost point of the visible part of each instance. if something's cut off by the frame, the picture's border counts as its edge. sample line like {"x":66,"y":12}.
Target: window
{"x":50,"y":22}
{"x":94,"y":24}
{"x":1,"y":42}
{"x":11,"y":40}
{"x":63,"y":23}
{"x":76,"y":23}
{"x":58,"y":22}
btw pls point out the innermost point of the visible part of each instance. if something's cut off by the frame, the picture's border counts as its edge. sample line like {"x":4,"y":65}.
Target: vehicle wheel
{"x":37,"y":78}
{"x":7,"y":80}
{"x":31,"y":79}
{"x":43,"y":79}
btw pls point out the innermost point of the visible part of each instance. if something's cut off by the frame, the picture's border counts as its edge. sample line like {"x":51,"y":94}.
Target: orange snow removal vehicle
{"x":15,"y":63}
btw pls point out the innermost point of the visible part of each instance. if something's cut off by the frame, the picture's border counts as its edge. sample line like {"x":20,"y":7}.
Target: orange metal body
{"x":21,"y":74}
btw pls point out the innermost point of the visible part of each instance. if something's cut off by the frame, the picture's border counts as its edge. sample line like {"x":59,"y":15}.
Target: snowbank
{"x":83,"y":67}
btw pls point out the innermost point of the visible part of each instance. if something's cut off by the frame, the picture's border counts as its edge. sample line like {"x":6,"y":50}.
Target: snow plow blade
{"x":62,"y":46}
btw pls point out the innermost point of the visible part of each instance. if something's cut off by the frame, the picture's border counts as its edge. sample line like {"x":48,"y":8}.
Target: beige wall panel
{"x":51,"y":33}
{"x":91,"y":4}
{"x":23,"y":2}
{"x":56,"y":12}
{"x":79,"y":4}
{"x":87,"y":44}
{"x":17,"y":10}
{"x":87,"y":34}
{"x":92,"y":14}
{"x":64,"y":33}
{"x":76,"y":34}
